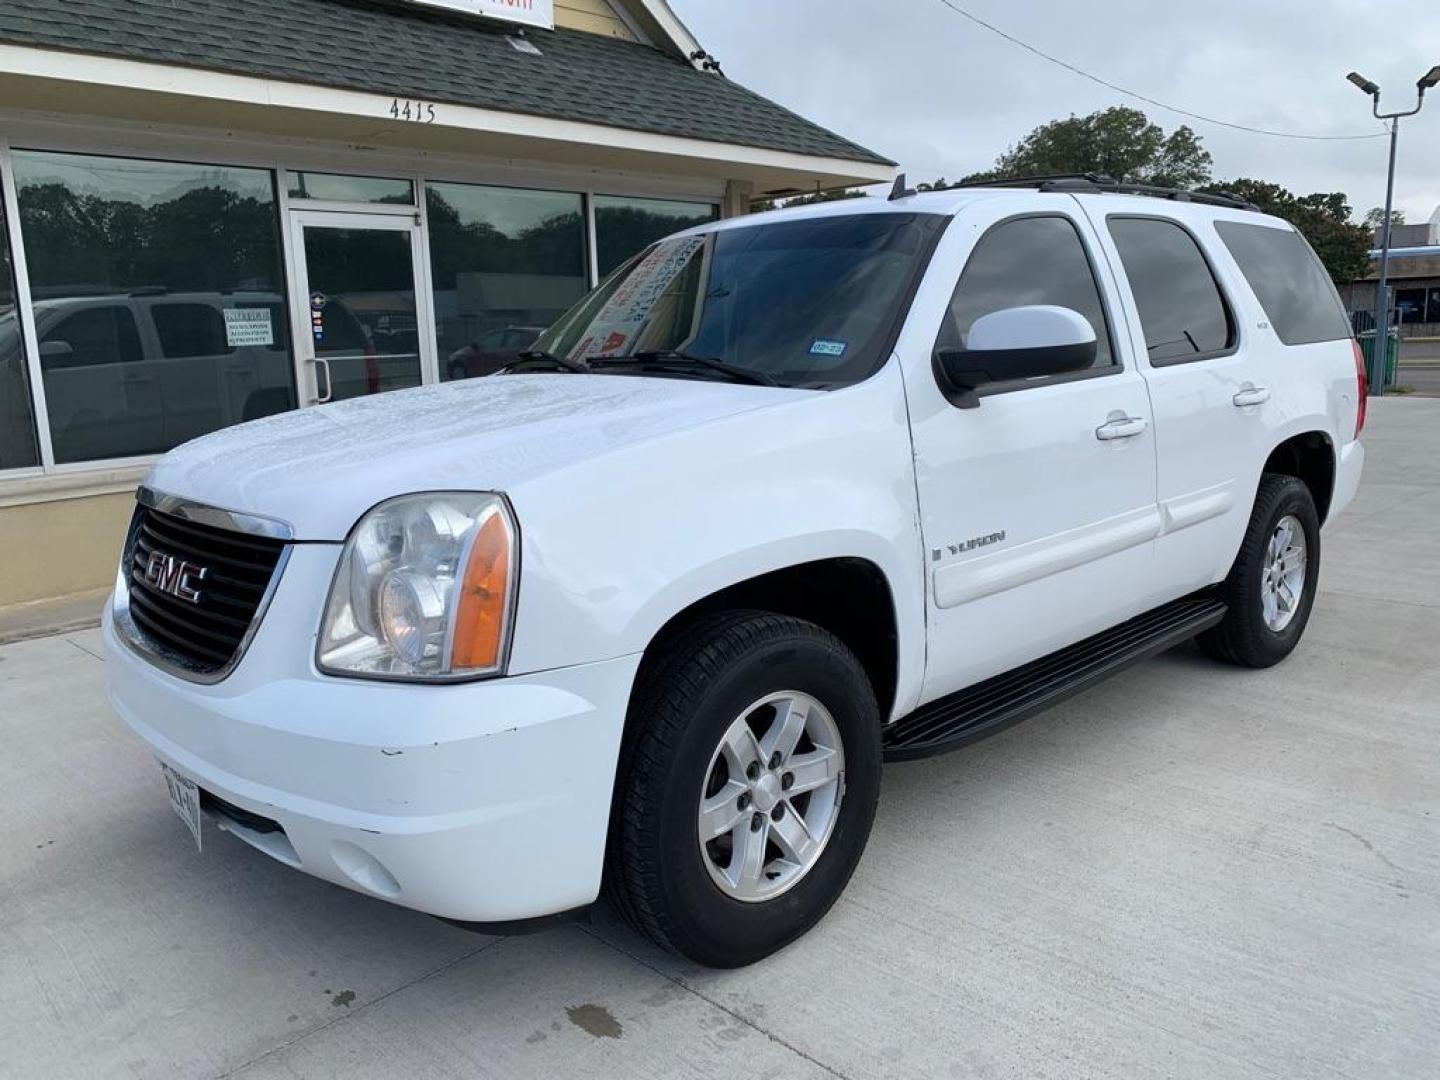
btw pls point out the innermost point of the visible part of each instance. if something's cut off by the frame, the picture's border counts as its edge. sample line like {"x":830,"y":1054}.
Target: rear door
{"x":1210,"y":386}
{"x":191,"y":339}
{"x":1038,"y":507}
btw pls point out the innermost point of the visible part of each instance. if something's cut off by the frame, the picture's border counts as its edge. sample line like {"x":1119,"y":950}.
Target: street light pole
{"x":1381,"y":350}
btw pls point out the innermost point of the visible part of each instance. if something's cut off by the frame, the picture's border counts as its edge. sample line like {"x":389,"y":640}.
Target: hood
{"x":318,"y":469}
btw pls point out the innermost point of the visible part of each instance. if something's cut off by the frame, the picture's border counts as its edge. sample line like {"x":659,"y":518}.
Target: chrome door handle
{"x":1127,"y":427}
{"x":321,"y":399}
{"x":1251,"y":395}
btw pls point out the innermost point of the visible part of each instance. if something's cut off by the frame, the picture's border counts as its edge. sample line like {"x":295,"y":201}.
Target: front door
{"x":1038,"y":506}
{"x":363,"y":331}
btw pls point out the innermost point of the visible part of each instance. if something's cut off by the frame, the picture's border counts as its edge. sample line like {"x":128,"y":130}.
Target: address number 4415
{"x":418,"y":112}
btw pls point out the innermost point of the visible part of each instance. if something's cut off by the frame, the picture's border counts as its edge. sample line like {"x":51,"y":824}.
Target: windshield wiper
{"x":679,"y":358}
{"x":539,"y":356}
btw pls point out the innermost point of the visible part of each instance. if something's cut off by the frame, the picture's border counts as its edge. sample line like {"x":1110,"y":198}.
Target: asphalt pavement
{"x":1190,"y":871}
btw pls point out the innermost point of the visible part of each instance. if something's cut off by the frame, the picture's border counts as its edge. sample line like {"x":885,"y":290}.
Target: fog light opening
{"x":364,"y":869}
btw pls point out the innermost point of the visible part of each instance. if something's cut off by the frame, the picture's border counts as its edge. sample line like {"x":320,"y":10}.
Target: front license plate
{"x":184,"y":799}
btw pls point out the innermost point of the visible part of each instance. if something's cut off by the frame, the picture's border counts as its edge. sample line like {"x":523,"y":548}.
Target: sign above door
{"x":529,"y":12}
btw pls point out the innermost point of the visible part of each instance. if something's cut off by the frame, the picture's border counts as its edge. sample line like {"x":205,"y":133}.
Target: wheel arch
{"x":1309,"y":457}
{"x":850,"y":596}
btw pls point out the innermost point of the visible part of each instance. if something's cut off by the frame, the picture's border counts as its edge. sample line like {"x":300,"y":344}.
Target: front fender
{"x":614,"y":547}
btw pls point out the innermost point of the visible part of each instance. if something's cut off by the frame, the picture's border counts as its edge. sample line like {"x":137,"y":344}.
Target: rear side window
{"x":1182,"y":313}
{"x":187,"y":330}
{"x":1038,"y":260}
{"x":1289,"y":281}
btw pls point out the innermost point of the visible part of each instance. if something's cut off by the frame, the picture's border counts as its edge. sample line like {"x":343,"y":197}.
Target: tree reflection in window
{"x":111,"y":239}
{"x":505,"y":263}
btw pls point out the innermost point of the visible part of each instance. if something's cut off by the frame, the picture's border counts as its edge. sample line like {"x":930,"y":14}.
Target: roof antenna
{"x":899,"y":191}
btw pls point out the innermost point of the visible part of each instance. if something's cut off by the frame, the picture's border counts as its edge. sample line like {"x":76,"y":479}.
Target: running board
{"x":990,"y":706}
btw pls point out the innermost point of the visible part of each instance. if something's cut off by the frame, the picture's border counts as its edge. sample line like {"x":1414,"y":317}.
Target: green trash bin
{"x":1392,"y":354}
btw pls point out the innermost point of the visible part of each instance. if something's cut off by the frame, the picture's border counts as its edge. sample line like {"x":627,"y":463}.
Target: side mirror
{"x":56,"y":350}
{"x":1015,"y":343}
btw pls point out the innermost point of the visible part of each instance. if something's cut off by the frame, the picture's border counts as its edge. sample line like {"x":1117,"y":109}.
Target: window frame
{"x":1010,"y":386}
{"x":25,"y":315}
{"x":1233,"y":327}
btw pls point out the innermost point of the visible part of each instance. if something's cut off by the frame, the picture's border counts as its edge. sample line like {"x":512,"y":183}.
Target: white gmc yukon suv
{"x":785,"y":496}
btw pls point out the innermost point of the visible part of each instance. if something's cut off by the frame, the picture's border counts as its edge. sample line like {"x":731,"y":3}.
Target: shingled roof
{"x":399,"y":49}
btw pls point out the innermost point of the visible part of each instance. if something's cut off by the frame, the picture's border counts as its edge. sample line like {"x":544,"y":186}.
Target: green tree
{"x":1375,"y":217}
{"x":1119,"y":142}
{"x":204,"y":238}
{"x":829,"y":195}
{"x":1323,"y":218}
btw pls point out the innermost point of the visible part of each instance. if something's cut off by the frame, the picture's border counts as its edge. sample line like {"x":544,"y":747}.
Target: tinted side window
{"x":93,"y":336}
{"x":1038,"y":260}
{"x":1289,"y":281}
{"x":1182,"y":314}
{"x":187,"y":330}
{"x":1181,"y":310}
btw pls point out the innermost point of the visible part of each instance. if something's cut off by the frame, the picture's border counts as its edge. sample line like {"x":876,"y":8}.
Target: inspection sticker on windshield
{"x":821,"y":347}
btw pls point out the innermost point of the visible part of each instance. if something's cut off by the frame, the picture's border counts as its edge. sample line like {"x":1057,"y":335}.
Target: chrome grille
{"x":195,"y":591}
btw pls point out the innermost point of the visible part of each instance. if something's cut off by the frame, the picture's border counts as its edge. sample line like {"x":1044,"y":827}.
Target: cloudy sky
{"x":922,"y":85}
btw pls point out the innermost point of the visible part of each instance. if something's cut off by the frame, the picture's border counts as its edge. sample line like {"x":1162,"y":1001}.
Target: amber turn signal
{"x":484,"y":605}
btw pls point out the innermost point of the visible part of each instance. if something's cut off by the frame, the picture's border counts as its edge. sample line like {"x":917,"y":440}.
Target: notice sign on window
{"x":633,"y":302}
{"x":529,"y":12}
{"x":248,"y":326}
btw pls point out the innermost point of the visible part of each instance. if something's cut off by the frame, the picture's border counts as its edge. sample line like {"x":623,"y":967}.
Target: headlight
{"x":424,"y":590}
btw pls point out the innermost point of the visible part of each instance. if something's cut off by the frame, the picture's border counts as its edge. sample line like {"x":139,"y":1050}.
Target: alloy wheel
{"x":1282,"y":575}
{"x":771,"y":797}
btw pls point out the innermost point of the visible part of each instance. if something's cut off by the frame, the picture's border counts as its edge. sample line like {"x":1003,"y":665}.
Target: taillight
{"x":1362,"y":387}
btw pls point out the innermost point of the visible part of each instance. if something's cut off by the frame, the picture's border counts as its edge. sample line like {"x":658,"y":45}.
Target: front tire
{"x":1271,"y":587}
{"x":747,"y":787}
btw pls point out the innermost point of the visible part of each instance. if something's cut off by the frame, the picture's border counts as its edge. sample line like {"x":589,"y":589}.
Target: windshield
{"x":811,"y":302}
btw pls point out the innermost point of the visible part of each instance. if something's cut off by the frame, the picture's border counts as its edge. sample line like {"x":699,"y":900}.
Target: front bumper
{"x":483,"y":802}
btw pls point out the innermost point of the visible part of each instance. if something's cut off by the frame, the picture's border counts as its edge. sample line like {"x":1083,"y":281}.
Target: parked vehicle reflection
{"x":137,"y":373}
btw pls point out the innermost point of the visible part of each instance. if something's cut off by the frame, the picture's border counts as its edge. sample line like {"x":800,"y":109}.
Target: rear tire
{"x":684,"y":768}
{"x":1266,"y":618}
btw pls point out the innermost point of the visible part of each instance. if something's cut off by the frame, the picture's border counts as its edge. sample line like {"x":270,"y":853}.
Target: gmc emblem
{"x":174,"y":577}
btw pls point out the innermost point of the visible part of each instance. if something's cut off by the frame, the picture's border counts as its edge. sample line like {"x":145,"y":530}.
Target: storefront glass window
{"x":624,"y":226}
{"x":1410,"y":304}
{"x":159,"y":299}
{"x":332,"y":187}
{"x":17,"y":422}
{"x":505,"y":263}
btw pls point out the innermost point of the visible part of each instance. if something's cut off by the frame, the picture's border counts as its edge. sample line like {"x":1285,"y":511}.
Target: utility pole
{"x":1381,"y":351}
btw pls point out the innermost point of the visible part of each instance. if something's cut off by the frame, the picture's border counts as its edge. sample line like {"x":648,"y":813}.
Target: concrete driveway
{"x":1191,"y":871}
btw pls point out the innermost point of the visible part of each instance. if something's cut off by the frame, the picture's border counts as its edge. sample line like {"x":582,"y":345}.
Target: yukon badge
{"x":174,"y":577}
{"x":967,"y":545}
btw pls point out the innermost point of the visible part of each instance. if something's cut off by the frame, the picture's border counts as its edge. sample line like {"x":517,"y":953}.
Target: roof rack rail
{"x":1099,"y":182}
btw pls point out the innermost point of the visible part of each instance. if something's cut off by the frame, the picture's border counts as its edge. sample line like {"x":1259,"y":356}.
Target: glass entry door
{"x":363,"y":326}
